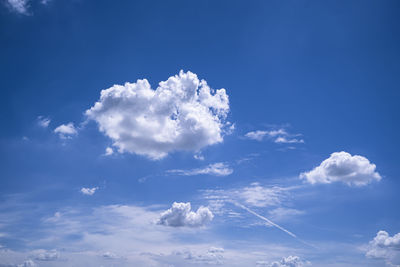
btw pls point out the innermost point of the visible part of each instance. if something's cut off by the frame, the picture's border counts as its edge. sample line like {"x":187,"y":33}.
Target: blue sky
{"x":199,"y":133}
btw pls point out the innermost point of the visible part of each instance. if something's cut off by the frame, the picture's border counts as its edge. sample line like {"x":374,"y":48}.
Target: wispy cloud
{"x":43,"y":121}
{"x":217,"y":169}
{"x":280,"y":136}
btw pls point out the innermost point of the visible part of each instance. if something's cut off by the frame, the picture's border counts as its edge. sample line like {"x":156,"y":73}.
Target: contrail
{"x":270,"y":222}
{"x":265,"y":219}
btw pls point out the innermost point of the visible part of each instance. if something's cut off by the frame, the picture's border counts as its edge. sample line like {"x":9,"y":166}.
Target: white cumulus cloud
{"x":180,"y":214}
{"x":345,"y":168}
{"x":88,"y":191}
{"x":66,"y":130}
{"x":183,"y":113}
{"x":385,"y":247}
{"x":218,"y":169}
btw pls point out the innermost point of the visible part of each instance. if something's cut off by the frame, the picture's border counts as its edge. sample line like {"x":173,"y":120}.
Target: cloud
{"x":88,"y":191}
{"x":280,"y":136}
{"x":385,"y":247}
{"x":213,"y":256}
{"x":180,"y":214}
{"x":109,"y":151}
{"x":183,"y":113}
{"x":20,"y":6}
{"x":28,"y":263}
{"x":43,"y":121}
{"x":47,"y":255}
{"x":66,"y":131}
{"x":290,"y":261}
{"x":218,"y":169}
{"x":343,"y":167}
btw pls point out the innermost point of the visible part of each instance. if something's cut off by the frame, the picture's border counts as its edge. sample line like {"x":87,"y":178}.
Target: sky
{"x":199,"y":133}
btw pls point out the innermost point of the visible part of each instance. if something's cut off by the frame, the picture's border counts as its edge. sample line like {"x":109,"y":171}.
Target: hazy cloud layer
{"x":183,"y":113}
{"x":345,"y":168}
{"x":180,"y":214}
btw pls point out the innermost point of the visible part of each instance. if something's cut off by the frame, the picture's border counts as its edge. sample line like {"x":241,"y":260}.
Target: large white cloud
{"x":386,"y":247}
{"x":345,"y":168}
{"x":180,"y":214}
{"x":183,"y":113}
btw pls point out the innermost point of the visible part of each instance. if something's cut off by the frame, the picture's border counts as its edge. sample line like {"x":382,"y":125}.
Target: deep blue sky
{"x":326,"y":70}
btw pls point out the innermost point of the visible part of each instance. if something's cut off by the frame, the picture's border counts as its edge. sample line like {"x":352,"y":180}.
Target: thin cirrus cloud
{"x":343,"y":167}
{"x":217,"y":169}
{"x":66,"y":131}
{"x":280,"y":136}
{"x":385,"y":247}
{"x":180,"y":215}
{"x":88,"y":191}
{"x":183,"y":113}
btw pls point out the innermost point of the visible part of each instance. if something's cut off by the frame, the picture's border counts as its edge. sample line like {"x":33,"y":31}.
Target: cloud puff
{"x":218,"y":169}
{"x":109,"y":151}
{"x":386,"y":247}
{"x":290,"y":261}
{"x":88,"y":191}
{"x":47,"y":255}
{"x":183,"y":113}
{"x":280,"y":136}
{"x":20,"y":6}
{"x":345,"y":168}
{"x":43,"y":121}
{"x":180,"y":214}
{"x":66,"y":131}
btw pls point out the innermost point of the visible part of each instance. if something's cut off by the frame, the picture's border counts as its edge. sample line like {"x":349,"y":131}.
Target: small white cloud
{"x":198,"y":156}
{"x":109,"y":151}
{"x":88,"y":191}
{"x":20,"y":6}
{"x":218,"y":169}
{"x":280,"y":136}
{"x":183,"y":113}
{"x":345,"y":168}
{"x":66,"y":131}
{"x":385,"y":247}
{"x":180,"y":214}
{"x":47,"y":255}
{"x":43,"y":121}
{"x":290,"y":261}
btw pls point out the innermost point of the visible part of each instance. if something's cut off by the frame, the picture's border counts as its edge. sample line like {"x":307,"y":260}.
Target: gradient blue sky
{"x":321,"y":75}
